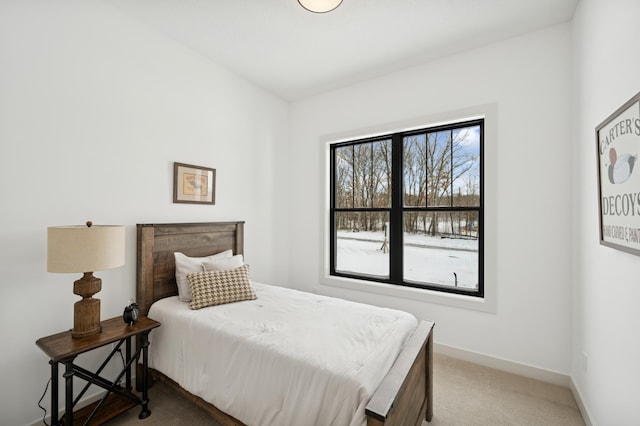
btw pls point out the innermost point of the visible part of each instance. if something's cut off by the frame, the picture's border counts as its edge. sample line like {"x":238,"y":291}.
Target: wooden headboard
{"x":156,"y":267}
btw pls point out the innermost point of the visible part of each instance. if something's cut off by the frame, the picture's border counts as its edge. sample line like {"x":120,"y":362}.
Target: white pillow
{"x":186,"y":264}
{"x":218,"y":264}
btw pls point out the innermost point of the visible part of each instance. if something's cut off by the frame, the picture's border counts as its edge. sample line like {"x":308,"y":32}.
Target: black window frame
{"x":397,"y":210}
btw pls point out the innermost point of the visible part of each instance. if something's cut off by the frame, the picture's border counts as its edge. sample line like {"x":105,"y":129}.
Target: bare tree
{"x":437,"y":172}
{"x":362,"y":177}
{"x":447,"y":161}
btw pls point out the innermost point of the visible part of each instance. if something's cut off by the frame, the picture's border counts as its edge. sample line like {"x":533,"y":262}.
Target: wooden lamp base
{"x":86,"y":312}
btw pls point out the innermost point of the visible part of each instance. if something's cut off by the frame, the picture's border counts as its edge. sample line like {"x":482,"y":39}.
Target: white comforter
{"x":286,"y":358}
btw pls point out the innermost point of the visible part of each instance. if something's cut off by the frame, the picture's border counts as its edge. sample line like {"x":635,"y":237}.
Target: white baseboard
{"x":504,"y":365}
{"x":462,"y":354}
{"x":87,"y":400}
{"x":519,"y":369}
{"x":581,"y":405}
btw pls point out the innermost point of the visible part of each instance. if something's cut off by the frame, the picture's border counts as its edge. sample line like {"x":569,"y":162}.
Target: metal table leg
{"x":54,"y":393}
{"x":145,"y":379}
{"x":68,"y":386}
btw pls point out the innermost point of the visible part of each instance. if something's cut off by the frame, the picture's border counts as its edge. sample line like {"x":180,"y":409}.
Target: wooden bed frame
{"x":405,"y":395}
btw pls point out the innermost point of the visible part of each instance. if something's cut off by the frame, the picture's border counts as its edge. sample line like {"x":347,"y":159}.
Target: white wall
{"x":94,"y":110}
{"x":528,"y":195}
{"x":607,"y":290}
{"x":95,"y":107}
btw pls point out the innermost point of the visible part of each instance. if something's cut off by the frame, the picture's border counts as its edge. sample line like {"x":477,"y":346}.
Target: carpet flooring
{"x":464,"y":394}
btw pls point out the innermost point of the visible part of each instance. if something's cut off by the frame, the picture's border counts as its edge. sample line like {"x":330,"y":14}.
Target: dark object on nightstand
{"x":131,"y":314}
{"x":63,"y":348}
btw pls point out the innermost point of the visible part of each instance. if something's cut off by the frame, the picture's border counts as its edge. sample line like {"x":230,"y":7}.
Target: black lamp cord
{"x":123,"y":361}
{"x":44,"y":416}
{"x":46,"y":388}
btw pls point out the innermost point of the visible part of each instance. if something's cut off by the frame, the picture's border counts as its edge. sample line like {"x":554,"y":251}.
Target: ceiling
{"x":294,"y":53}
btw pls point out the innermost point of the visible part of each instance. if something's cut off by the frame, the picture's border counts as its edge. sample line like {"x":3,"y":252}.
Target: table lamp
{"x":85,"y":249}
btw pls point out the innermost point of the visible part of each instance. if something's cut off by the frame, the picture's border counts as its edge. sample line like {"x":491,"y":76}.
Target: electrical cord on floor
{"x":44,"y":416}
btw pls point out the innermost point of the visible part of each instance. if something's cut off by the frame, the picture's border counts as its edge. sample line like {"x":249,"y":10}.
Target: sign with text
{"x":618,"y":142}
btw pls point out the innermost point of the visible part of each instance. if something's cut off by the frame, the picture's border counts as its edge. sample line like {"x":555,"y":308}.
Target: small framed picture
{"x":618,"y":143}
{"x":193,"y":184}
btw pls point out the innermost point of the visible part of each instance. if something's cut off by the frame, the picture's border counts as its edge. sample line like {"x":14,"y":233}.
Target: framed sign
{"x":193,"y":184}
{"x":618,"y":143}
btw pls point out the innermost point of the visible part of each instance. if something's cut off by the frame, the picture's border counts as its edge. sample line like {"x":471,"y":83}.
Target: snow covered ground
{"x":426,"y":259}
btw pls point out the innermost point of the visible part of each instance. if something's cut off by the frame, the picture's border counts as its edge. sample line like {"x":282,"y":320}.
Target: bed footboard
{"x":405,"y":396}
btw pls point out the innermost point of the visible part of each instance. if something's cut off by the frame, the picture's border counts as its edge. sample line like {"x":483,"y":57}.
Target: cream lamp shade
{"x":85,"y":249}
{"x":320,"y":6}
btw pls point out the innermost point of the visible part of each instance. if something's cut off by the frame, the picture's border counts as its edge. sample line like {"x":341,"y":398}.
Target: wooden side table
{"x":62,"y":348}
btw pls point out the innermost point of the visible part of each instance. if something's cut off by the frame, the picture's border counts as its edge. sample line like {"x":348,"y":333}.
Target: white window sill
{"x":411,"y":293}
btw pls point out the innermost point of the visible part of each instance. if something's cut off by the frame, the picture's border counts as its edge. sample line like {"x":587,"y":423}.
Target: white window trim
{"x":486,"y":304}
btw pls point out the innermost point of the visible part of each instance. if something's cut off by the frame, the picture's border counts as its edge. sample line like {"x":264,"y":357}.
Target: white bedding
{"x":286,"y":358}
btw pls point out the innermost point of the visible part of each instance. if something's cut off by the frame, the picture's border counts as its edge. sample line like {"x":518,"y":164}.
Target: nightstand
{"x":62,"y":348}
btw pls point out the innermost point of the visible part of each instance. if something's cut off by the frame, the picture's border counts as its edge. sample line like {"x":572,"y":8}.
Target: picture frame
{"x":193,"y":184}
{"x":618,"y":150}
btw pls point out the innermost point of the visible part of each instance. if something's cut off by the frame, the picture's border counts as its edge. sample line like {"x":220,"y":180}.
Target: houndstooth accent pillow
{"x":212,"y":288}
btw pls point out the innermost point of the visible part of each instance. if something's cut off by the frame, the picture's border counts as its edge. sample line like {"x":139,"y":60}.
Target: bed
{"x":404,"y":395}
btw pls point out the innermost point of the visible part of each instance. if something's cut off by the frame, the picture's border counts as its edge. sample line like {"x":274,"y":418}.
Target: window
{"x":407,"y":208}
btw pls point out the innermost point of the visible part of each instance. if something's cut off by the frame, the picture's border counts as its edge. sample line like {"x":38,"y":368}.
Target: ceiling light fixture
{"x":319,"y":6}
